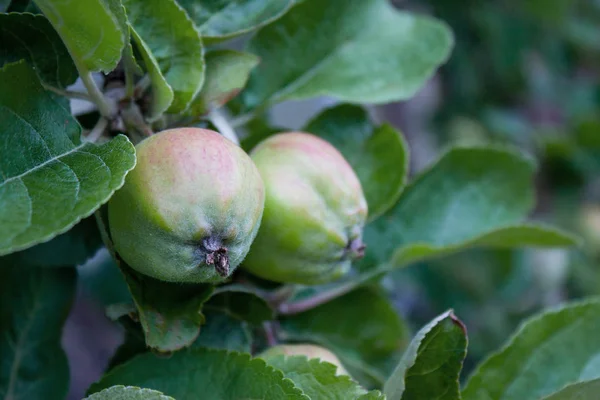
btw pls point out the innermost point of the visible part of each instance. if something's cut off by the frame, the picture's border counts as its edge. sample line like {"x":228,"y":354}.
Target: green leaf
{"x":318,"y":379}
{"x":551,"y":350}
{"x":225,"y":19}
{"x":34,"y":304}
{"x":578,"y":391}
{"x":471,"y":197}
{"x":74,"y":247}
{"x":208,"y":374}
{"x":128,"y":393}
{"x":361,"y":51}
{"x":49,"y":178}
{"x":32,"y":38}
{"x":378,"y":155}
{"x":89,"y":29}
{"x":430,"y":366}
{"x":170,"y":313}
{"x":241,"y":302}
{"x":221,"y":331}
{"x":224,"y":331}
{"x":361,"y":328}
{"x":162,"y":93}
{"x":523,"y":235}
{"x":164,"y":31}
{"x":128,"y":58}
{"x":227,"y":72}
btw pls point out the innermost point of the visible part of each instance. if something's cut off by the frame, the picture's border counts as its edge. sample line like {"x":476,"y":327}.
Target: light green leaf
{"x":318,"y":379}
{"x":523,"y":235}
{"x":128,"y":393}
{"x":118,"y":11}
{"x":49,"y":179}
{"x":32,"y":38}
{"x":578,"y":391}
{"x":208,"y":374}
{"x":170,"y":40}
{"x":128,"y":59}
{"x":378,"y":154}
{"x":162,"y":93}
{"x":361,"y":328}
{"x":225,"y":19}
{"x":89,"y":29}
{"x":34,"y":304}
{"x":359,"y":51}
{"x":430,"y":366}
{"x":551,"y":350}
{"x":227,"y":72}
{"x":471,"y":197}
{"x":170,"y":313}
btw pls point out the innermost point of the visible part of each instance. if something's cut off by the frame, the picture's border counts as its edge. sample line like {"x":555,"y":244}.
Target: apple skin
{"x":308,"y":350}
{"x":315,"y":211}
{"x":190,"y":208}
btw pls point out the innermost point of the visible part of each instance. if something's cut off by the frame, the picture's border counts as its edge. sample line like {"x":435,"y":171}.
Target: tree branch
{"x":222,"y":124}
{"x":312,"y":302}
{"x":68,"y":93}
{"x":98,"y":130}
{"x":107,"y":109}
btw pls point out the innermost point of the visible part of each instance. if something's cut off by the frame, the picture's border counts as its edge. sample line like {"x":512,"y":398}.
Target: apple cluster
{"x":196,"y":206}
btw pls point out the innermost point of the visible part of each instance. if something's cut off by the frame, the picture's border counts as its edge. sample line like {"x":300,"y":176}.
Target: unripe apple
{"x":190,"y":208}
{"x":308,"y":350}
{"x":315,"y":211}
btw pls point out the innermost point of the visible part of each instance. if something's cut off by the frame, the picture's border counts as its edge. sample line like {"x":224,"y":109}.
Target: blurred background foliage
{"x":523,"y":73}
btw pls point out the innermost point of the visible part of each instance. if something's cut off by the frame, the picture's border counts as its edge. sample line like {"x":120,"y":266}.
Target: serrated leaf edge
{"x":245,"y":356}
{"x":523,"y":325}
{"x":142,"y":390}
{"x":333,"y":370}
{"x":85,"y":215}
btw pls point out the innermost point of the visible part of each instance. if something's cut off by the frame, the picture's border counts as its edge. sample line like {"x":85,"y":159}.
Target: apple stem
{"x":270,"y":333}
{"x":309,"y":303}
{"x":105,"y":107}
{"x":223,"y":126}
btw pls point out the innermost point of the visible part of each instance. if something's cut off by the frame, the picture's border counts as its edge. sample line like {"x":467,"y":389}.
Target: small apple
{"x":315,"y":211}
{"x":190,"y":208}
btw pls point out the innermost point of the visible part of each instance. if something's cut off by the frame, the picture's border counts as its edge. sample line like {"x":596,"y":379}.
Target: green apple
{"x":315,"y":211}
{"x":190,"y":208}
